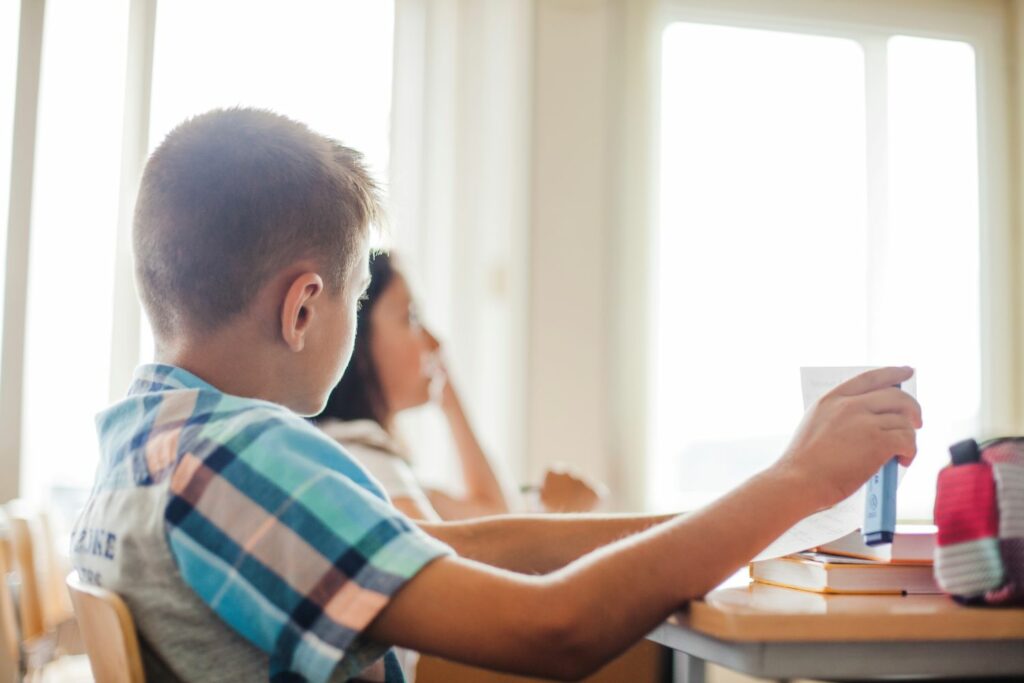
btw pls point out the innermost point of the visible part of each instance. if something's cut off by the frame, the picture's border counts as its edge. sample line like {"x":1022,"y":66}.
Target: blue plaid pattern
{"x":270,"y":522}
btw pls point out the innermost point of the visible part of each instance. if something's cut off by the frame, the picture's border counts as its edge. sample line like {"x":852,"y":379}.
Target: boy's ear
{"x":298,"y":310}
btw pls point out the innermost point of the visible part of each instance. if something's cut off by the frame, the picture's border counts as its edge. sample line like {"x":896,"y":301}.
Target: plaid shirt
{"x":268,"y":521}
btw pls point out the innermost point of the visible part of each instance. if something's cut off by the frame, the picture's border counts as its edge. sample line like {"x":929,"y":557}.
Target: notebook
{"x":912,"y":543}
{"x":823,"y":573}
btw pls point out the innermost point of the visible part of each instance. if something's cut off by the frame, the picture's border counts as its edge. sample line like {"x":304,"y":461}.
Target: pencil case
{"x":979,"y":511}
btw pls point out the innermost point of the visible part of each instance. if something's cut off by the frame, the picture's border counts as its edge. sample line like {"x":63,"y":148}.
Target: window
{"x":322,"y":62}
{"x":9,"y":20}
{"x":818,"y":206}
{"x":74,"y":223}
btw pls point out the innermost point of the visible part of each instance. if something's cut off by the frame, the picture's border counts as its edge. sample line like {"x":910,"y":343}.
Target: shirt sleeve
{"x":275,"y":531}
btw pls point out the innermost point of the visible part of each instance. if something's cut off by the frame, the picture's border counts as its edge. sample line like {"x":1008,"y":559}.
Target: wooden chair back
{"x":40,"y":605}
{"x":9,"y":653}
{"x":54,"y":597}
{"x":43,"y":600}
{"x":30,"y":601}
{"x":108,"y":631}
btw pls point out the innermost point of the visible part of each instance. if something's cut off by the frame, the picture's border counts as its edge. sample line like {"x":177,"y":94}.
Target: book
{"x":911,"y":544}
{"x":824,"y":573}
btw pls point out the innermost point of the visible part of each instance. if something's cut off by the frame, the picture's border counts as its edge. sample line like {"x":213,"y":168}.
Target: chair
{"x":55,"y":599}
{"x":30,"y":600}
{"x":9,"y":653}
{"x":45,"y":605}
{"x":108,"y":631}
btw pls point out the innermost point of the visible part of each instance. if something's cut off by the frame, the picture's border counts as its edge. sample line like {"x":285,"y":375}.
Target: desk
{"x":773,"y":632}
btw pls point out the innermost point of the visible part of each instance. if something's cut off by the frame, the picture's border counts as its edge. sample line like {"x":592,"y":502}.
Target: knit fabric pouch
{"x":1007,"y":460}
{"x":979,"y":511}
{"x":967,"y":560}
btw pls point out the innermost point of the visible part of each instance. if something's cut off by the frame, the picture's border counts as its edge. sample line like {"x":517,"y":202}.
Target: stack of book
{"x":849,"y":566}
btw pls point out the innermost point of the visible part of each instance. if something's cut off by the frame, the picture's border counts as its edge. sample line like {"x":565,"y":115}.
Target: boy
{"x":246,"y":542}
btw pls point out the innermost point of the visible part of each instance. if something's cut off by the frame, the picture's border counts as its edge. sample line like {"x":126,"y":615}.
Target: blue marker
{"x":880,"y":506}
{"x":880,"y":509}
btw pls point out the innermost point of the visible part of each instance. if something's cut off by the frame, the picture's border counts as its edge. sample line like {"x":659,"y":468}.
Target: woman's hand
{"x":565,"y":491}
{"x":485,"y":494}
{"x":442,"y":391}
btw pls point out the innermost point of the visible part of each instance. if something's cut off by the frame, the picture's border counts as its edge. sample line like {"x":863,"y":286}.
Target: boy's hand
{"x":851,"y":432}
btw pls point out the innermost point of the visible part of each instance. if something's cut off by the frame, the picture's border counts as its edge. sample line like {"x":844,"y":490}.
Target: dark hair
{"x":232,"y":196}
{"x":359,"y":396}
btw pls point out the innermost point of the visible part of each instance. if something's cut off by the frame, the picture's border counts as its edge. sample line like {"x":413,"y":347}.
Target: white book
{"x":823,"y":573}
{"x":911,"y":544}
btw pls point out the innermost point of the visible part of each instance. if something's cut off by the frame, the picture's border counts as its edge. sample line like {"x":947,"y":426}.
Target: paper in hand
{"x":847,"y":515}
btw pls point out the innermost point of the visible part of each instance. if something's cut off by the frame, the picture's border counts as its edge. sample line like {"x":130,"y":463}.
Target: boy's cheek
{"x":344,"y":351}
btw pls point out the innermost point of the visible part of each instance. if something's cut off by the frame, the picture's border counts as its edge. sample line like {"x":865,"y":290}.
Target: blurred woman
{"x":397,"y":365}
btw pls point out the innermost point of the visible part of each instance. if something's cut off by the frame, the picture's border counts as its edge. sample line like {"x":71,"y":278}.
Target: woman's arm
{"x":537,"y":544}
{"x":449,"y":507}
{"x":484,"y":492}
{"x":416,"y":508}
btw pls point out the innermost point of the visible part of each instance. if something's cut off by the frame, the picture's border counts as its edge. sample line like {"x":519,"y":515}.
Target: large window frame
{"x":125,"y":352}
{"x":19,"y":218}
{"x":981,"y":24}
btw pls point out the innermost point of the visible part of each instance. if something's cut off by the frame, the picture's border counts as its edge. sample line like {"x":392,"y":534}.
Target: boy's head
{"x":236,"y":202}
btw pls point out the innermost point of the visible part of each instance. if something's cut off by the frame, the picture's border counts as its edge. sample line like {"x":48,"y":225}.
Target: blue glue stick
{"x":880,"y":506}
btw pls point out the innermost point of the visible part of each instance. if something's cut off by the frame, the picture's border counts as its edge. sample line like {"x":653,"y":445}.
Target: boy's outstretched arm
{"x":568,"y":623}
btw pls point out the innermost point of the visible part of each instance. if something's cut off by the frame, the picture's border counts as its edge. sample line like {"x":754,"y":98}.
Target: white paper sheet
{"x":844,"y":517}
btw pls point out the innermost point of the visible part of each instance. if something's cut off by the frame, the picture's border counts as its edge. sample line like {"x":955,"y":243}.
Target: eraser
{"x":964,"y":452}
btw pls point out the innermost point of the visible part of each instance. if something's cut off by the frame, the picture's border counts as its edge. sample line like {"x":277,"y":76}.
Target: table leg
{"x":688,"y":669}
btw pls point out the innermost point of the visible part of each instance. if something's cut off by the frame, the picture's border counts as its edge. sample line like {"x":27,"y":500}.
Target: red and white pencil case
{"x":979,"y":511}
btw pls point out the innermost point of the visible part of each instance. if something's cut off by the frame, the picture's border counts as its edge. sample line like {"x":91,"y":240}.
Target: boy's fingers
{"x":905,"y":460}
{"x":873,"y":380}
{"x":893,"y":400}
{"x":902,"y":443}
{"x":890,"y":421}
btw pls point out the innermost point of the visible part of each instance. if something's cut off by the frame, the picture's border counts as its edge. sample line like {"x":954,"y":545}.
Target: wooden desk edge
{"x":952,"y":622}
